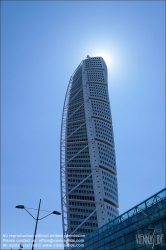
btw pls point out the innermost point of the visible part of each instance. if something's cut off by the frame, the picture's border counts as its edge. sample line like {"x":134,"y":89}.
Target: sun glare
{"x":105,"y":53}
{"x":106,"y":58}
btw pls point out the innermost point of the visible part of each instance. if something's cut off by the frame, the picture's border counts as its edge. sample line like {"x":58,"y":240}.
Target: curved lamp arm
{"x":23,"y":207}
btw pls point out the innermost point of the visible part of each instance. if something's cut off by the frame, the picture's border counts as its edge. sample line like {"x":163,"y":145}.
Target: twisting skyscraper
{"x":88,"y":167}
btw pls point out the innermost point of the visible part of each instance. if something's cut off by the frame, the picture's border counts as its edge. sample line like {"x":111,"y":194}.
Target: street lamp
{"x":36,"y":219}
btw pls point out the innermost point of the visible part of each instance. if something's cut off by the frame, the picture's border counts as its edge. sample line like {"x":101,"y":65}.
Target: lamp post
{"x":37,"y":219}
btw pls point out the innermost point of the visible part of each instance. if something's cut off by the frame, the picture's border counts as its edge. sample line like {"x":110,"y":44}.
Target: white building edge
{"x":89,"y":192}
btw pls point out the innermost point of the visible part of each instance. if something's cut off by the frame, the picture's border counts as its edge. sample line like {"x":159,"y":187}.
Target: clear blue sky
{"x":42,"y":44}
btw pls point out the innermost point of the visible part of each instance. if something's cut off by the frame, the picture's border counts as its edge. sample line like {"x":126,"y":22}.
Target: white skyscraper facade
{"x":89,"y":191}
